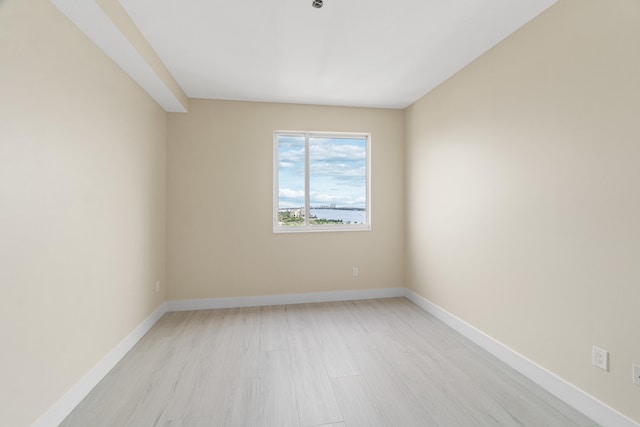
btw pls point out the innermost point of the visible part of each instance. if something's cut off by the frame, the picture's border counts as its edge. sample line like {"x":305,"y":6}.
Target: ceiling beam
{"x":107,"y":24}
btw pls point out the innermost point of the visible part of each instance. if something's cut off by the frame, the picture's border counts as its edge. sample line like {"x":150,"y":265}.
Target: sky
{"x":337,"y":171}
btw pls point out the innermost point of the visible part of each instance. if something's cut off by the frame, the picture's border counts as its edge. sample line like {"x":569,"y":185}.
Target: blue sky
{"x":338,"y":168}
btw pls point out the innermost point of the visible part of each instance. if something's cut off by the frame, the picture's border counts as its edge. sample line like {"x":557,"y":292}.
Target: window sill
{"x":320,"y":229}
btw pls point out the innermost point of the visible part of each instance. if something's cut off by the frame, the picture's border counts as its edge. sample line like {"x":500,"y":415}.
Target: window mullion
{"x":307,"y":197}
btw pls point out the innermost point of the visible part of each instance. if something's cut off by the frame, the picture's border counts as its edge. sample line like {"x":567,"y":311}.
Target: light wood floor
{"x":360,"y":363}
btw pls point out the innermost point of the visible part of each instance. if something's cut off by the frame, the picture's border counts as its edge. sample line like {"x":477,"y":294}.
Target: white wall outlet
{"x":636,"y":374}
{"x":158,"y":286}
{"x":356,"y":272}
{"x":600,"y":358}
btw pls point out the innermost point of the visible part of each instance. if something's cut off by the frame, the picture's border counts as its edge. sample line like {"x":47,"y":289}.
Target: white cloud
{"x":291,"y":194}
{"x":327,"y":150}
{"x":339,"y":170}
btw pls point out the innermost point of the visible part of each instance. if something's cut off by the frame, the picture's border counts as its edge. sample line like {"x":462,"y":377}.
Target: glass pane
{"x":291,"y":159}
{"x":338,"y":180}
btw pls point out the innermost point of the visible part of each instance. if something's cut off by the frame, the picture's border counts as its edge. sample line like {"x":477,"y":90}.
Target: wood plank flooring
{"x":343,"y":364}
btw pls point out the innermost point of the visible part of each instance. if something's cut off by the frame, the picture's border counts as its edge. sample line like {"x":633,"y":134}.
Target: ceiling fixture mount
{"x":317,"y":4}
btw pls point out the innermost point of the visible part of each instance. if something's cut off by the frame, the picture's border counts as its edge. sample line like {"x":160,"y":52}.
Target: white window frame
{"x":307,"y":227}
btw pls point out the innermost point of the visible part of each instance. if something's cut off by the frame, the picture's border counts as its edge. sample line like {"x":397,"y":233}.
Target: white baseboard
{"x":280,"y":299}
{"x":63,"y":407}
{"x":583,"y":402}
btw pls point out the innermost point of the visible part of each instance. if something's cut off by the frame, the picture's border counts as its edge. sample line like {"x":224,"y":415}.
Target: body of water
{"x":346,"y":215}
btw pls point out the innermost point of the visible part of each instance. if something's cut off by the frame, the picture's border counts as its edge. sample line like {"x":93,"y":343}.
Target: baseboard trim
{"x":585,"y":403}
{"x":281,"y":299}
{"x":63,"y":407}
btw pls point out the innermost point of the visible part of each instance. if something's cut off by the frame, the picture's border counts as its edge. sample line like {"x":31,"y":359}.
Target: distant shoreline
{"x":323,"y":215}
{"x":325,"y":207}
{"x":339,"y":209}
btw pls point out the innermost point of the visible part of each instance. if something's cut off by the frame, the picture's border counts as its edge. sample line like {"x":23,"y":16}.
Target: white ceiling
{"x":370,"y":53}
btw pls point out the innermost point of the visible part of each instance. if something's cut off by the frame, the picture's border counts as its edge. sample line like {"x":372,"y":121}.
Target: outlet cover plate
{"x":636,"y":374}
{"x":600,"y":358}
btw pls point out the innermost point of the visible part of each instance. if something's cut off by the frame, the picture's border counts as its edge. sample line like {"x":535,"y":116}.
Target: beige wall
{"x":220,"y":190}
{"x":523,"y":200}
{"x":82,"y":207}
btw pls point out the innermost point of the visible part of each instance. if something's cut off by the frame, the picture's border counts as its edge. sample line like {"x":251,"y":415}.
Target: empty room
{"x":316,"y":213}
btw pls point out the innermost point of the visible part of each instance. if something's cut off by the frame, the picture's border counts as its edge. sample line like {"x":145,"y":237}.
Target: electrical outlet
{"x":600,"y":358}
{"x":158,"y":286}
{"x":636,"y":374}
{"x":355,"y":271}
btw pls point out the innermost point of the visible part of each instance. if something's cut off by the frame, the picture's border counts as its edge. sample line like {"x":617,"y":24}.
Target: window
{"x":321,"y":181}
